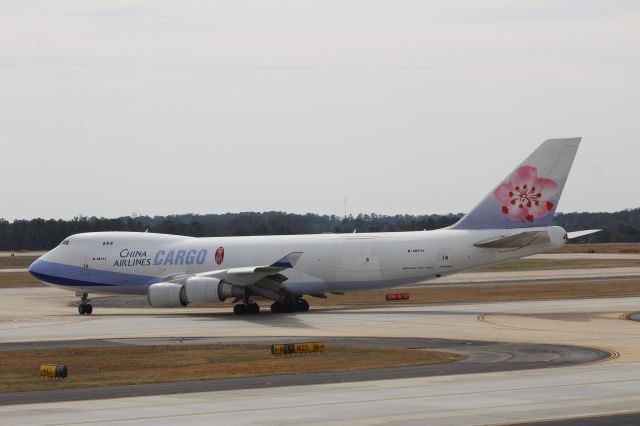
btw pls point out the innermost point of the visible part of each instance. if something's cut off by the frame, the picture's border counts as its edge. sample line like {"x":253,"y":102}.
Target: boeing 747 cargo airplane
{"x":512,"y":221}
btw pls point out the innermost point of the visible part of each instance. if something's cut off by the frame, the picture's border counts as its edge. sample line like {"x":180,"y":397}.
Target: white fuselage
{"x":128,"y":262}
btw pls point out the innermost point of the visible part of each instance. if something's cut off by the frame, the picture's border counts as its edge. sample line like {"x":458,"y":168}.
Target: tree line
{"x":44,"y":234}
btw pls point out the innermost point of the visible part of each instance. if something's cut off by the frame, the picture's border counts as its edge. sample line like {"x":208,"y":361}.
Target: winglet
{"x":289,"y":261}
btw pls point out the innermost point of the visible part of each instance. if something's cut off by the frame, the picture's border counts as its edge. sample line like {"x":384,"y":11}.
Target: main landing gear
{"x":250,"y":308}
{"x":247,"y":306}
{"x":289,"y":306}
{"x":84,"y":308}
{"x":286,"y":307}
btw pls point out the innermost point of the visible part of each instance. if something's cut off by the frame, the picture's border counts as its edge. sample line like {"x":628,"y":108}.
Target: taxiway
{"x":598,"y":388}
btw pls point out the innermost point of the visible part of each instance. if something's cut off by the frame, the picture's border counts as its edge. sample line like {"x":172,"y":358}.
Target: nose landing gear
{"x":84,"y":308}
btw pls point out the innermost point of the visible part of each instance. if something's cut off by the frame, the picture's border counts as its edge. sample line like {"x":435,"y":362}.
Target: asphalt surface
{"x":613,"y":420}
{"x":482,"y":357}
{"x":598,"y":389}
{"x":13,"y":271}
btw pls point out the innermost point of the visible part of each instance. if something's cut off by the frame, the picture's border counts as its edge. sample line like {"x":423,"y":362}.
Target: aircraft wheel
{"x":289,"y":307}
{"x":253,"y":308}
{"x":277,"y":308}
{"x":302,"y":305}
{"x":240,"y":309}
{"x":84,"y":308}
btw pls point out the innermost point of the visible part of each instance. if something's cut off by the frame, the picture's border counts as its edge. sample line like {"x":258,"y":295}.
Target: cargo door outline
{"x":359,"y":260}
{"x":444,"y":259}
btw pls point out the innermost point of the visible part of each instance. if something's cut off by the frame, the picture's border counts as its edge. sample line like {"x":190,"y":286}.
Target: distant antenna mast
{"x":345,"y":207}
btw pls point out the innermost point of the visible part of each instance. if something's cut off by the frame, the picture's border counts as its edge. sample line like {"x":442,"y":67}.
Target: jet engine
{"x":167,"y":295}
{"x":194,"y":290}
{"x":203,"y":290}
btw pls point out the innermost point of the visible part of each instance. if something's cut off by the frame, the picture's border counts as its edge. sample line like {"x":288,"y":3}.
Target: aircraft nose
{"x":37,"y":268}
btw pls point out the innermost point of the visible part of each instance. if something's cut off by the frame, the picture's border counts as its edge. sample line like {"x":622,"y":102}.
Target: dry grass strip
{"x":122,"y":365}
{"x":489,"y":293}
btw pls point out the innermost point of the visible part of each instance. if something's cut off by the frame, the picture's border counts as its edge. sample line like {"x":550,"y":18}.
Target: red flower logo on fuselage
{"x":525,"y":196}
{"x":219,"y":256}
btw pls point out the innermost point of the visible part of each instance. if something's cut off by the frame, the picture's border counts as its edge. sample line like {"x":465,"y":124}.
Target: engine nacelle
{"x":194,"y":290}
{"x":167,"y":295}
{"x":203,"y":290}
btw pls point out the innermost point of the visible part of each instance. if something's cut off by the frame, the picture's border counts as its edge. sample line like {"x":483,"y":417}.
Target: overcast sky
{"x":163,"y":107}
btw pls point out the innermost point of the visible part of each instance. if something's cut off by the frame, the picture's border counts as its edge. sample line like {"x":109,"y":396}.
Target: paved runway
{"x":493,"y":398}
{"x":23,"y":254}
{"x":554,"y":275}
{"x":586,"y":256}
{"x":13,"y":271}
{"x":599,"y":388}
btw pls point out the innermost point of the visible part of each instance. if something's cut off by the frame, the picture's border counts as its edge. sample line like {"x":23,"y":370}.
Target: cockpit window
{"x":65,"y":243}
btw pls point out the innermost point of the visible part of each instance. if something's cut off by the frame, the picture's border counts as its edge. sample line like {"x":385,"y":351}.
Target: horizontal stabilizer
{"x":522,"y":239}
{"x":578,"y":234}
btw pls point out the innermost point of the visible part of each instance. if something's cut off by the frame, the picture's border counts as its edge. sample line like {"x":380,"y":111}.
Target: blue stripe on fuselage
{"x":76,"y":276}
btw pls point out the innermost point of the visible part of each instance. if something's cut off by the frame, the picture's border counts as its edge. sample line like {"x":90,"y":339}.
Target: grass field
{"x":121,"y":365}
{"x":19,"y":279}
{"x":487,"y":293}
{"x":16,"y":262}
{"x":600,"y":248}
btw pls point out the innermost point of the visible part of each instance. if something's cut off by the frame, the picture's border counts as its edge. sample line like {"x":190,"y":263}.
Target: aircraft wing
{"x":521,"y":239}
{"x":265,"y":276}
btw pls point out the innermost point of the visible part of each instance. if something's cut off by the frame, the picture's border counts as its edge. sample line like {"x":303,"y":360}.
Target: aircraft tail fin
{"x":528,"y":196}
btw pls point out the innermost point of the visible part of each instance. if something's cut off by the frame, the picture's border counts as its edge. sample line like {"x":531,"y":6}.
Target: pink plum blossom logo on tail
{"x":525,"y":196}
